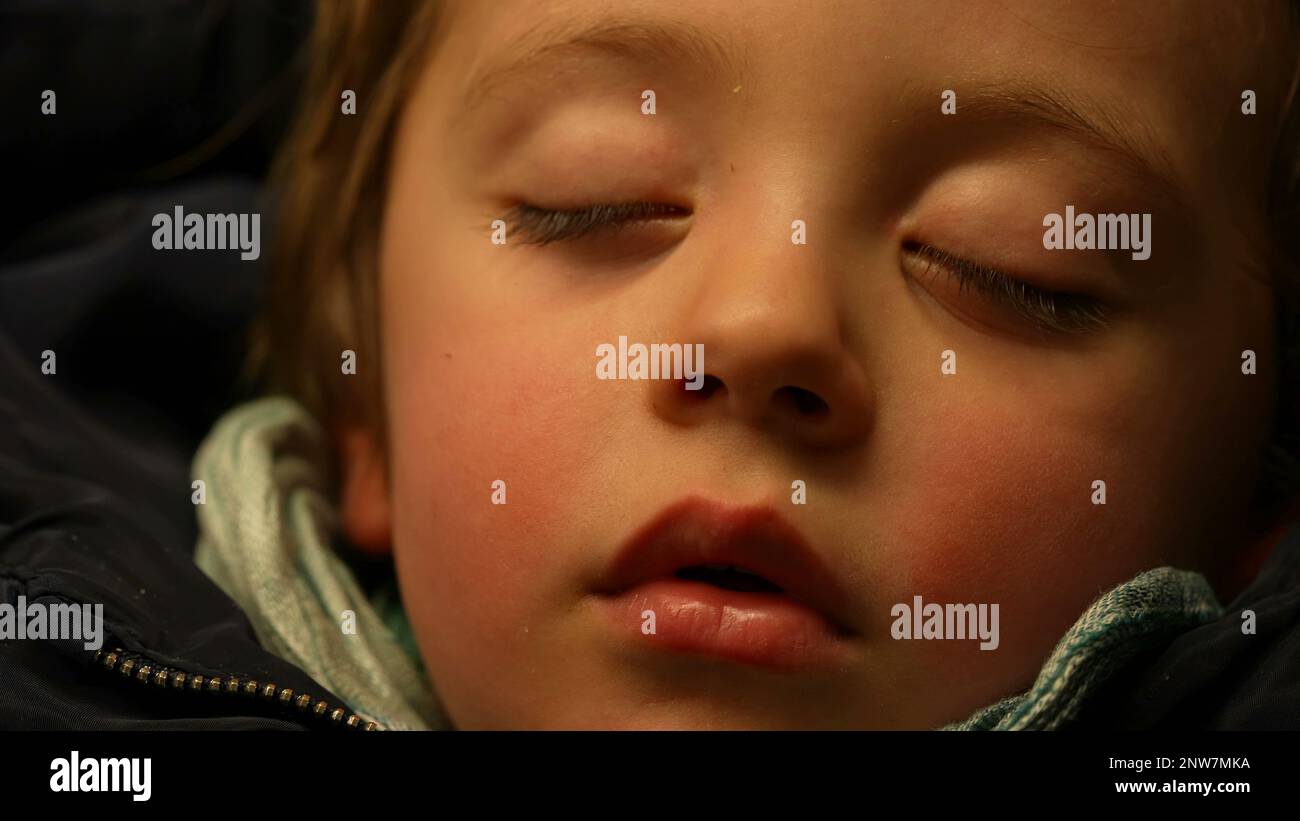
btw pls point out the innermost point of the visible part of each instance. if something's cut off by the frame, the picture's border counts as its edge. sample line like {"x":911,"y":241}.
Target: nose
{"x":775,"y":352}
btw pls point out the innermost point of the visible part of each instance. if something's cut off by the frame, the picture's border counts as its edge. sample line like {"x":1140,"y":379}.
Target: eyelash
{"x":542,"y":226}
{"x":1051,"y":310}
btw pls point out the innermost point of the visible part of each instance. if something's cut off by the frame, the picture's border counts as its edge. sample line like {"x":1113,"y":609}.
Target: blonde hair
{"x":330,"y":178}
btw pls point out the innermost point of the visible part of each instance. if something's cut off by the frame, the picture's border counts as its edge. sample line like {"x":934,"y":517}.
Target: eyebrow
{"x":1085,"y":120}
{"x":555,"y":48}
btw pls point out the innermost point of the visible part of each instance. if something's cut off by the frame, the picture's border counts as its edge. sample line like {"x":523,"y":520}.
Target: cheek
{"x":995,"y":506}
{"x":492,"y":390}
{"x":461,"y":424}
{"x":1010,"y":520}
{"x":477,"y":577}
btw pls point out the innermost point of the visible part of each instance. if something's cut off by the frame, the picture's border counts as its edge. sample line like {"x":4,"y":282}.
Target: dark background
{"x":159,"y":103}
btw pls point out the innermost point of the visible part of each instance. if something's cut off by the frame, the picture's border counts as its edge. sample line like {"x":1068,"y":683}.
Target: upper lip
{"x":695,"y":531}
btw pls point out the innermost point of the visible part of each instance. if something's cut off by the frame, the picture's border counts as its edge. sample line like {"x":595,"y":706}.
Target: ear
{"x":364,"y":505}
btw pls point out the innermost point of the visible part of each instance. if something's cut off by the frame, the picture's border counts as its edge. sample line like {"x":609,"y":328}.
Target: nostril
{"x":709,"y":386}
{"x":803,"y":401}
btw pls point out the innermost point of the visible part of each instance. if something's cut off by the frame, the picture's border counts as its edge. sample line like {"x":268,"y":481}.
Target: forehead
{"x":1167,"y":75}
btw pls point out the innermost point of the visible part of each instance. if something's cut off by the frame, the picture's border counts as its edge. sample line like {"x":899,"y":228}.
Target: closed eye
{"x":1058,"y":311}
{"x":542,"y":226}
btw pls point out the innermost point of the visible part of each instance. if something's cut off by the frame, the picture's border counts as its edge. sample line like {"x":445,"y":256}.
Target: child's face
{"x":970,"y":487}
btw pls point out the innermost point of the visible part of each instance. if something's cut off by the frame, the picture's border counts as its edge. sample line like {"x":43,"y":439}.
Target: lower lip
{"x":760,"y":629}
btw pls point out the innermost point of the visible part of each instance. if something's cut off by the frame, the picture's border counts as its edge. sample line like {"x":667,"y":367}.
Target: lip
{"x":802,"y":626}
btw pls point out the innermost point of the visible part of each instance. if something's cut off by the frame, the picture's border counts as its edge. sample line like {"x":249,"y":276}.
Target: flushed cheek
{"x":487,"y":582}
{"x":992,"y":518}
{"x":500,"y":419}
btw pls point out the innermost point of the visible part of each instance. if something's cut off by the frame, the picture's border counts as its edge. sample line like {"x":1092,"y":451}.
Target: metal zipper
{"x":145,"y":671}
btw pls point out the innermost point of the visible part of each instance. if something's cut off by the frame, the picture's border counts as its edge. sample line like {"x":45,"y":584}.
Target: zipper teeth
{"x":142,"y":670}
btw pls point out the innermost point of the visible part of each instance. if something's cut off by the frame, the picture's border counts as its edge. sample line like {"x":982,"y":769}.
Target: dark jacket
{"x":95,"y":488}
{"x":94,"y":459}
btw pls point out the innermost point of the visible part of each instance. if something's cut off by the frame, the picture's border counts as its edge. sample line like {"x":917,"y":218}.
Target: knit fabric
{"x":1146,"y":611}
{"x":265,"y":534}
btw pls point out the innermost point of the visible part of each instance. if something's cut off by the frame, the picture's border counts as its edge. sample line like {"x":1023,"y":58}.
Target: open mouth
{"x":731,"y":582}
{"x":728,"y":577}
